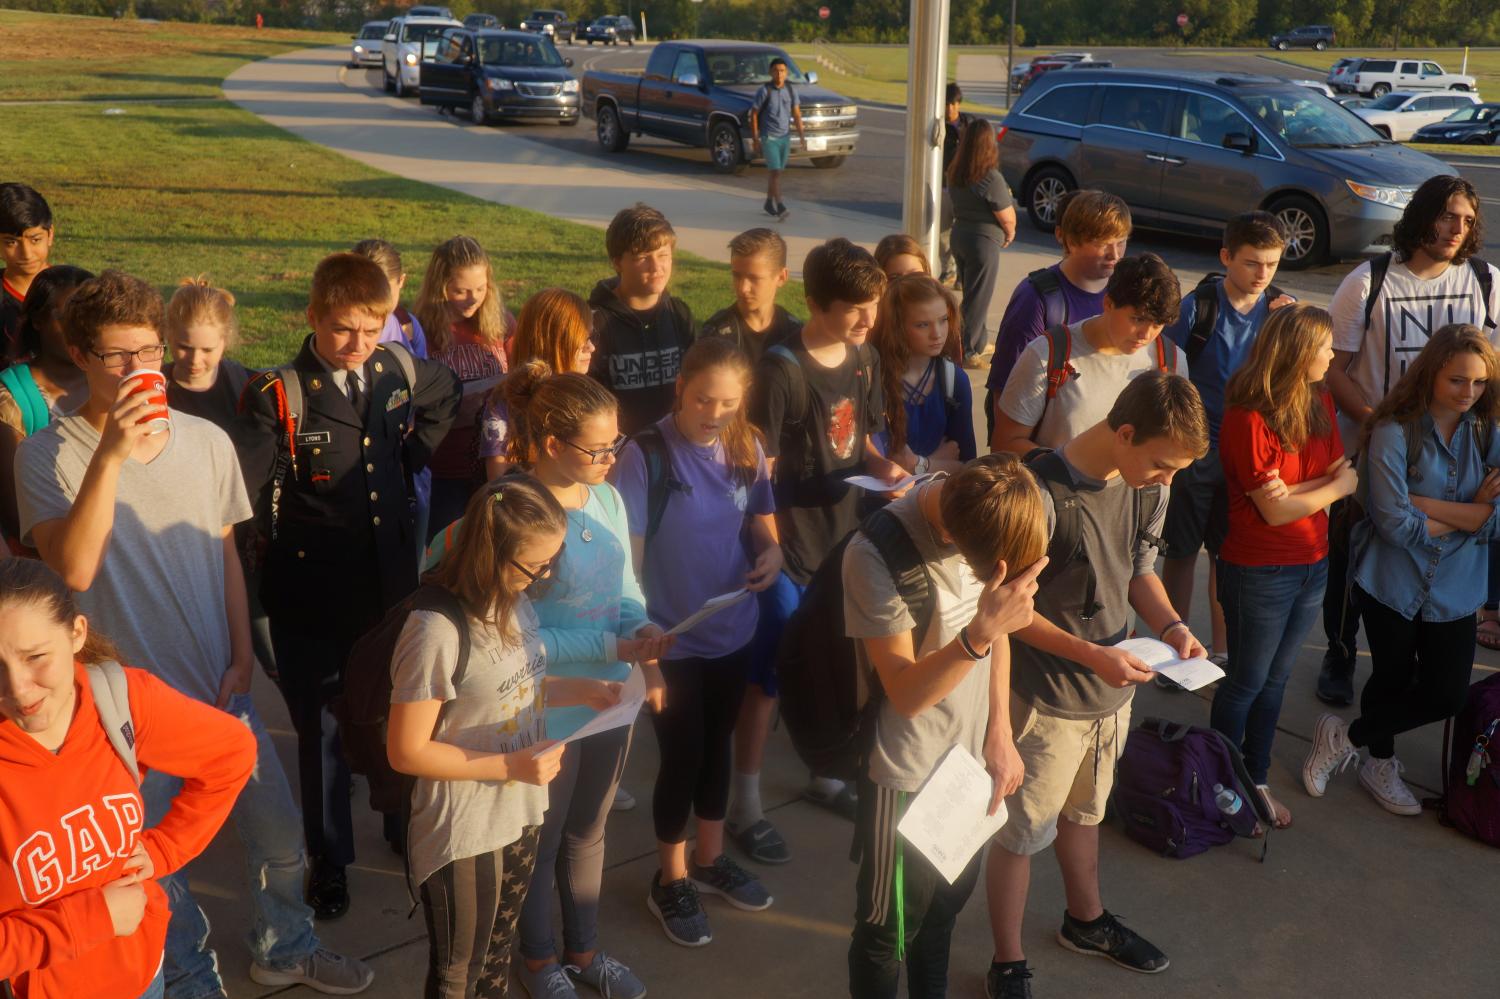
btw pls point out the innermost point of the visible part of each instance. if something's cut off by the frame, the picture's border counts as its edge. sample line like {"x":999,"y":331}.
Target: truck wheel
{"x":1306,"y":231}
{"x":1380,"y":90}
{"x":828,"y":162}
{"x":612,"y":135}
{"x":1043,"y":192}
{"x":386,"y":81}
{"x":726,"y":150}
{"x":477,"y":113}
{"x":1320,"y":45}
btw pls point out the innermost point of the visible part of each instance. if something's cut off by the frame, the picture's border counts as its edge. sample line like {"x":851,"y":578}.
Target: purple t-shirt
{"x":1025,"y":319}
{"x":697,"y":552}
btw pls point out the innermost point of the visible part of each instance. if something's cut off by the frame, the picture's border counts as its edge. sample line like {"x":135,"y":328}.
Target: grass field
{"x":885,"y":71}
{"x":167,"y":191}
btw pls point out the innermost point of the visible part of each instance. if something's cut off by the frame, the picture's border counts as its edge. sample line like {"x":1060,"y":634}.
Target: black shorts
{"x":1197,"y":510}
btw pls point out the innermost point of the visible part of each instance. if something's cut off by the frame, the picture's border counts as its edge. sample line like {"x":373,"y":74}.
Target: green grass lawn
{"x":168,"y":191}
{"x":885,"y":71}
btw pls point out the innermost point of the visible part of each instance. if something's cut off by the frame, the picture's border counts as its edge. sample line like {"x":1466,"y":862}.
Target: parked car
{"x":1317,"y":85}
{"x":1040,"y":66}
{"x":1477,"y":125}
{"x":699,"y":93}
{"x":1378,"y":77}
{"x":1354,"y":102}
{"x":1399,"y":115}
{"x":1187,"y":151}
{"x":365,"y":48}
{"x":1314,"y":36}
{"x":494,"y":74}
{"x":430,"y":11}
{"x":611,"y":29}
{"x":1023,"y":69}
{"x":1341,"y":74}
{"x":550,"y":22}
{"x":482,"y":21}
{"x":408,"y":40}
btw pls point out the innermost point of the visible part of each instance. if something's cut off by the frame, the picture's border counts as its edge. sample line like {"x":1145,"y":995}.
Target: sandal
{"x":760,"y":841}
{"x":1283,"y":817}
{"x":1488,"y":633}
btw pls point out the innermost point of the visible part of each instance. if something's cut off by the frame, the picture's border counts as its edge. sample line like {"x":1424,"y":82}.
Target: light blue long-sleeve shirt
{"x":593,"y":599}
{"x":1441,"y":578}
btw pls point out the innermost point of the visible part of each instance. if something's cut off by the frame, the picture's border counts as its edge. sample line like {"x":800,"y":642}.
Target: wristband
{"x":1162,"y":635}
{"x":968,"y":647}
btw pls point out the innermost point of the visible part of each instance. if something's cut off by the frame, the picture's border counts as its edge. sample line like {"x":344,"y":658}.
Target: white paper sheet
{"x":1187,"y":673}
{"x":874,"y":485}
{"x":631,"y":698}
{"x":710,"y":607}
{"x":946,"y":821}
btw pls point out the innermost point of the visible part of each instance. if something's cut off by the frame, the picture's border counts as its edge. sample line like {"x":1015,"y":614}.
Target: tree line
{"x":1363,"y":23}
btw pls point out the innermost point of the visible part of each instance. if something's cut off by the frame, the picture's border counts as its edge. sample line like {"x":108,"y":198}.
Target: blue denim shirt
{"x":1442,"y":578}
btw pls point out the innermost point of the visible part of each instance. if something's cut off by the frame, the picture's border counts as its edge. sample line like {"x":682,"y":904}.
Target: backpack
{"x":1054,"y":302}
{"x":28,"y":398}
{"x":364,"y":705}
{"x":661,"y":482}
{"x":1471,"y":767}
{"x":112,"y":701}
{"x":1066,"y":545}
{"x":828,"y":701}
{"x":1164,"y":792}
{"x":798,"y":384}
{"x":1206,"y":312}
{"x":1060,"y":349}
{"x":1380,"y":265}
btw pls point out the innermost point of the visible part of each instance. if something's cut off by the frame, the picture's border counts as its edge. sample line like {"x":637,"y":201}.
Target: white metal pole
{"x":927,"y":75}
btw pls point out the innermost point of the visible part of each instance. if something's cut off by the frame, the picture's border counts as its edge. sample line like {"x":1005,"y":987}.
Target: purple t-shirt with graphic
{"x":1025,"y":319}
{"x":697,"y":552}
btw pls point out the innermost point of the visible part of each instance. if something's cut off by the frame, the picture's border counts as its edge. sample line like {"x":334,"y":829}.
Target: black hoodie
{"x":637,"y":354}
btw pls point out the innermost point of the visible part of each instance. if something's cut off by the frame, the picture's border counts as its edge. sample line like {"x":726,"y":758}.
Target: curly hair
{"x":1146,"y":284}
{"x":1416,"y":226}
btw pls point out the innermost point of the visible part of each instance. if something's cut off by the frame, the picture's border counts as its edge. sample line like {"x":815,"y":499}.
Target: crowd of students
{"x":578,"y":478}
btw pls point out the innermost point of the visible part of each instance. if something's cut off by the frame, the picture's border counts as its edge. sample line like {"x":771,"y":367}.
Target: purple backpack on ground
{"x":1164,"y":792}
{"x":1471,"y":765}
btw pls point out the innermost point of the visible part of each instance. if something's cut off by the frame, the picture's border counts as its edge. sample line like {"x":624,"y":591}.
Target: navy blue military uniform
{"x":343,"y":547}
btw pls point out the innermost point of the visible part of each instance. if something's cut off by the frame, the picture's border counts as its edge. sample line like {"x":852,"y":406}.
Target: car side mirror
{"x":688,"y":79}
{"x":812,"y":76}
{"x":568,"y":62}
{"x":1240,"y":142}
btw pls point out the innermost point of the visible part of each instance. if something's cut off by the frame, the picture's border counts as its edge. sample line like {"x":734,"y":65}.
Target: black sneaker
{"x":682,"y":917}
{"x":781,"y":211}
{"x":1110,"y":938}
{"x":328,"y":891}
{"x":1013,"y":983}
{"x":770,"y":208}
{"x":1336,"y":680}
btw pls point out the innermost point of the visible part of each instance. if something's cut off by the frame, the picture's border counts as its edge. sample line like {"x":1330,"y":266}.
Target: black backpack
{"x":1066,"y":546}
{"x":1206,"y":312}
{"x":661,"y":482}
{"x":1054,"y":302}
{"x":828,"y":701}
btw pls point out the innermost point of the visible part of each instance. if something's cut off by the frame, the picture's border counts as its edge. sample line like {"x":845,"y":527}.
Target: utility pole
{"x":927,"y":76}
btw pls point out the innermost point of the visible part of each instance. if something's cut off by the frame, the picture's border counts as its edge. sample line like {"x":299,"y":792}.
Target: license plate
{"x":816,"y":145}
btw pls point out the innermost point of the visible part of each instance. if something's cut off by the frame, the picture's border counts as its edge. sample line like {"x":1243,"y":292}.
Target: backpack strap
{"x":1148,"y":498}
{"x":907,"y":567}
{"x":112,"y":701}
{"x":28,"y":397}
{"x":1054,"y":303}
{"x":660,"y":482}
{"x":441,"y":600}
{"x":1059,"y":351}
{"x":1205,"y":314}
{"x":1066,"y":544}
{"x":799,"y":384}
{"x":1486,"y":279}
{"x":1166,"y":355}
{"x":1379,"y":267}
{"x":948,"y":373}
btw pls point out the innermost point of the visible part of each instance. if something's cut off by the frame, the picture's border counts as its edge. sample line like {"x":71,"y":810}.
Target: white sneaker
{"x":1329,"y":754}
{"x":624,"y":801}
{"x":1382,"y":778}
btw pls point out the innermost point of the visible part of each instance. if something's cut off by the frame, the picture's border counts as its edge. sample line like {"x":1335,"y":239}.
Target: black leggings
{"x":1421,"y":674}
{"x":694,"y":734}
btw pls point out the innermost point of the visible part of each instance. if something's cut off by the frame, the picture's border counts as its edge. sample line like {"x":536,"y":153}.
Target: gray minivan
{"x":1189,"y":151}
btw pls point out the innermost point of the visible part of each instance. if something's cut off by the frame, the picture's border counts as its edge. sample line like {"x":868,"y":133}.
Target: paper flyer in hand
{"x":710,"y":607}
{"x":1189,"y":674}
{"x":946,"y":821}
{"x":875,"y":485}
{"x":632,"y":696}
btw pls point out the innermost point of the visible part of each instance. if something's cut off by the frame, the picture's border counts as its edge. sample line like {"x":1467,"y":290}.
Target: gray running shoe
{"x":322,"y":971}
{"x":608,"y":977}
{"x":550,"y":982}
{"x":681,"y":914}
{"x":732,"y":882}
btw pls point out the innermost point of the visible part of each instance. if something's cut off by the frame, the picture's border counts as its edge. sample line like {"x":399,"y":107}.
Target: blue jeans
{"x":157,"y":988}
{"x":1269,"y":610}
{"x":265,"y":817}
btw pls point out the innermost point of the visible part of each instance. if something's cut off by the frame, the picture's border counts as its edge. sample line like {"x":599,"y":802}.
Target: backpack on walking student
{"x":1164,"y":793}
{"x":1471,"y":765}
{"x":828,"y":700}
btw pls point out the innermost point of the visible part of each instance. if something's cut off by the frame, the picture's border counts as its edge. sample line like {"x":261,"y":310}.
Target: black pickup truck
{"x":699,"y":93}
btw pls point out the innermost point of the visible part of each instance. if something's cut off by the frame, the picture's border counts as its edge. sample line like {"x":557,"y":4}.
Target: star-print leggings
{"x":471,"y":907}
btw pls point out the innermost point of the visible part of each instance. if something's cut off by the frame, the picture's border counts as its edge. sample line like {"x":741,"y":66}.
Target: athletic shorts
{"x":1197,"y":509}
{"x":775,"y":604}
{"x":1070,"y":770}
{"x":776,"y":149}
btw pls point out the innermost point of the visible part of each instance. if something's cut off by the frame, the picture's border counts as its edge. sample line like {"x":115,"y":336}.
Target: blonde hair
{"x":894,"y":350}
{"x":992,"y":508}
{"x":196,"y":302}
{"x":432,"y":301}
{"x":544,"y":405}
{"x":737,"y":436}
{"x":1273,"y":380}
{"x":553,"y":326}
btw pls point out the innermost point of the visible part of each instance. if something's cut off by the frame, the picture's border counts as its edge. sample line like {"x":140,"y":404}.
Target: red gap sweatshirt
{"x":68,"y":821}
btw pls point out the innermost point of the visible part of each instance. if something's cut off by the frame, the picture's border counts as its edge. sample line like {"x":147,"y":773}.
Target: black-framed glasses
{"x":547,"y":569}
{"x":597,"y":455}
{"x":120,"y":358}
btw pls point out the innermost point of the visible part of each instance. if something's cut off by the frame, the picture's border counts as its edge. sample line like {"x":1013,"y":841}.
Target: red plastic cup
{"x":153,"y":385}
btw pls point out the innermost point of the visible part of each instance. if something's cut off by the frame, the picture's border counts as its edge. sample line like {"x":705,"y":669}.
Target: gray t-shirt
{"x":974,"y":206}
{"x":906,"y":749}
{"x":497,"y":709}
{"x":774,"y":106}
{"x":1107,"y":511}
{"x":159,"y":592}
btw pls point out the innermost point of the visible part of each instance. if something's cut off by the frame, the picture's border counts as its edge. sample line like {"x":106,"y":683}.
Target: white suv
{"x":1399,"y":115}
{"x":407,"y":41}
{"x":1378,"y":77}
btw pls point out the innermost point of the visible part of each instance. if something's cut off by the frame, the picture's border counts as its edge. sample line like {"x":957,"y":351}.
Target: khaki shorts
{"x":1070,"y":770}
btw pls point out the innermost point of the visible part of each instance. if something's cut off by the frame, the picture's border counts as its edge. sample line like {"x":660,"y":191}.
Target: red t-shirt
{"x":1250,"y":451}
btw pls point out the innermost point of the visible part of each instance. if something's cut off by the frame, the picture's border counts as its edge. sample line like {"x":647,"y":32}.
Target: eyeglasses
{"x":598,"y":455}
{"x":120,"y":358}
{"x":546,"y":570}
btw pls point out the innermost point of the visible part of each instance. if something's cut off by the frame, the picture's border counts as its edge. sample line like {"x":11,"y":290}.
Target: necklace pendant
{"x":586,"y":534}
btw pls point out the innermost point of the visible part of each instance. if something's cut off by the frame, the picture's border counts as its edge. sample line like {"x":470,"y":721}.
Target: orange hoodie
{"x":68,"y":821}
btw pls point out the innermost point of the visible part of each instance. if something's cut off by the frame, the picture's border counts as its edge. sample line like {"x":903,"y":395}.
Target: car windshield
{"x":517,"y":52}
{"x":1479,"y":112}
{"x":733,"y":67}
{"x":427,"y":34}
{"x":1307,"y":119}
{"x":1390,"y":102}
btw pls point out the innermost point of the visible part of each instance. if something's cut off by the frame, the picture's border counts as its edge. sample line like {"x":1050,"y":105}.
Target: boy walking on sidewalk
{"x":775,"y":110}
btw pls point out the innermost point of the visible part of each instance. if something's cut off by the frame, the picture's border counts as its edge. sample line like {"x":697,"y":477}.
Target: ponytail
{"x":543,"y":404}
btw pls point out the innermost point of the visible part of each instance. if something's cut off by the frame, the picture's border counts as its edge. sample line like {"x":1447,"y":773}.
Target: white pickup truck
{"x":1378,"y":77}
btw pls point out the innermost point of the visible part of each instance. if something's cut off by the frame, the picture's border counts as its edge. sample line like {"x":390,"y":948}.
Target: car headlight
{"x":570,"y":86}
{"x":609,"y":31}
{"x":849,"y":109}
{"x":359,"y":50}
{"x":547,"y":29}
{"x":1394,"y":197}
{"x":496,"y":83}
{"x":411,"y":58}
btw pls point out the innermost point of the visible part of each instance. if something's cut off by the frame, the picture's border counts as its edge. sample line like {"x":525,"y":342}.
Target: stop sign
{"x":824,"y":13}
{"x":1182,"y":20}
